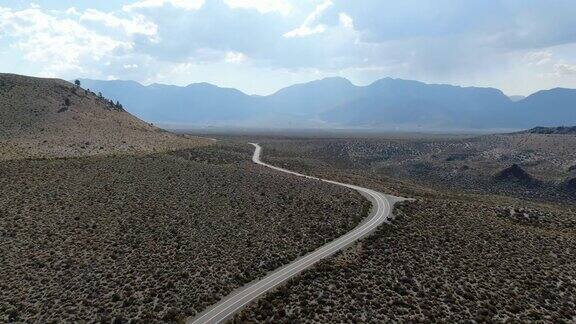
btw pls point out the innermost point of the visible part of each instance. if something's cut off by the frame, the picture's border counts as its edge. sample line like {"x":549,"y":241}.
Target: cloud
{"x":564,"y":69}
{"x":538,"y":58}
{"x":306,"y":29}
{"x":182,"y":4}
{"x":47,"y":38}
{"x":549,"y":65}
{"x":346,"y":21}
{"x":64,"y":44}
{"x":263,"y":6}
{"x":235,"y":57}
{"x":137,"y":24}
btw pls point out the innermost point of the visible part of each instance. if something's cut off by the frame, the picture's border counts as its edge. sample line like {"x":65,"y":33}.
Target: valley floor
{"x":441,"y":260}
{"x":160,"y":237}
{"x":154,"y":237}
{"x":453,"y":255}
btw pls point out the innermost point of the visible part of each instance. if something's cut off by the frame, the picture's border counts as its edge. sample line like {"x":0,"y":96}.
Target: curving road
{"x":231,"y":304}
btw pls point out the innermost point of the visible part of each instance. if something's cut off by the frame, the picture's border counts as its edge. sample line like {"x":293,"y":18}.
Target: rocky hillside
{"x":54,"y":118}
{"x":515,"y":174}
{"x":562,"y":130}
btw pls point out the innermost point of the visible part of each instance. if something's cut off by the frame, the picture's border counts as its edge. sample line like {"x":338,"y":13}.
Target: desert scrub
{"x":440,"y":260}
{"x":470,"y":164}
{"x":156,"y":237}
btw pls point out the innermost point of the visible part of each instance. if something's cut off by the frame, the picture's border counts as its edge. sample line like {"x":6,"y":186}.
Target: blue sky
{"x":259,"y":46}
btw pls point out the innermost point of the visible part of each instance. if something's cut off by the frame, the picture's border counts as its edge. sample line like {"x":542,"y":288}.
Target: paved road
{"x":231,"y":304}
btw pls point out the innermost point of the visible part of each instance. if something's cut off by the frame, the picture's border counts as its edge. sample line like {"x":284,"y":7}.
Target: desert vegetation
{"x":463,"y":251}
{"x":523,"y":165}
{"x":444,"y":261}
{"x":44,"y":118}
{"x":153,"y":238}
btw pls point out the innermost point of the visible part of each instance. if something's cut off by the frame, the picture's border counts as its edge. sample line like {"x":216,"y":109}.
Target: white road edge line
{"x":229,"y":305}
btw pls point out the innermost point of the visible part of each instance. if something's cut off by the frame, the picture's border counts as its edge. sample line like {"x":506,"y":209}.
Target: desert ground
{"x":51,"y":118}
{"x":523,"y":165}
{"x":490,"y":244}
{"x":156,"y":237}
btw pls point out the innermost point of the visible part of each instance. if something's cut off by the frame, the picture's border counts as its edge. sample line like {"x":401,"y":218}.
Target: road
{"x":227,"y":307}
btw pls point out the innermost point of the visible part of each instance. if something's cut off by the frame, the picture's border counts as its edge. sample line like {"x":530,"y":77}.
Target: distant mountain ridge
{"x":336,"y":102}
{"x":392,"y":101}
{"x":166,"y":103}
{"x":561,"y":130}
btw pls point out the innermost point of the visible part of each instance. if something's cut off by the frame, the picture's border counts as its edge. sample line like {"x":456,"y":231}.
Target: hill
{"x":336,"y":102}
{"x":546,"y":108}
{"x":54,"y":118}
{"x":515,"y":174}
{"x":561,"y":130}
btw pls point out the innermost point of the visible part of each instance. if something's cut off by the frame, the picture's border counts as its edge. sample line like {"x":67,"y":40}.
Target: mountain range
{"x":336,"y":102}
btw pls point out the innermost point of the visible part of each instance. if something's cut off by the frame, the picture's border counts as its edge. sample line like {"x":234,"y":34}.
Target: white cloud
{"x":306,"y":29}
{"x":182,"y":4}
{"x":346,"y":21}
{"x":72,"y":11}
{"x":564,"y":69}
{"x":136,"y":25}
{"x":263,"y":6}
{"x":235,"y":57}
{"x":549,"y":65}
{"x":61,"y":44}
{"x":538,"y":58}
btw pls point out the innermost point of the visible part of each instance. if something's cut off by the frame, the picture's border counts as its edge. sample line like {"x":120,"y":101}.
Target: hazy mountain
{"x":194,"y":104}
{"x":336,"y":102}
{"x":389,"y":102}
{"x":555,"y":107}
{"x":312,"y":98}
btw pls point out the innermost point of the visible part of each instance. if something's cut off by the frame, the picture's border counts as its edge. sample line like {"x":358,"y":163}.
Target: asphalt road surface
{"x":227,"y":307}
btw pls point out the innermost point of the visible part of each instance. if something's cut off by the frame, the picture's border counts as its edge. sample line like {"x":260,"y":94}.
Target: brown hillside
{"x":54,"y":118}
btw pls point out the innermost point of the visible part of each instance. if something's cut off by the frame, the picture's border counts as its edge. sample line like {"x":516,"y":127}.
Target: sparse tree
{"x":77,"y":83}
{"x":67,"y":102}
{"x":100,"y":95}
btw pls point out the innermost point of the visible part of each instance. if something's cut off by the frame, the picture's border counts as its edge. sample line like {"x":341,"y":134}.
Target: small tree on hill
{"x":77,"y":83}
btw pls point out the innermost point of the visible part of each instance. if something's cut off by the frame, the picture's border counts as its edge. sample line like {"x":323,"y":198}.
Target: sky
{"x":260,"y":46}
